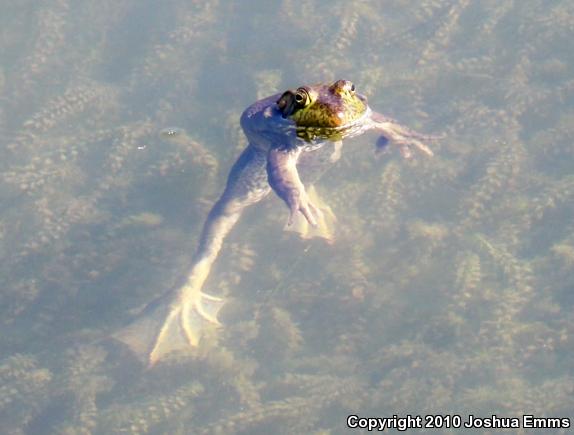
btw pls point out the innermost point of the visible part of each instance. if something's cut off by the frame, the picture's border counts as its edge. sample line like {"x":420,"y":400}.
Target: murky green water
{"x":449,"y":289}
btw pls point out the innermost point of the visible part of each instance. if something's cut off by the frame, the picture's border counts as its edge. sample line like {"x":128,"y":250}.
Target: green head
{"x":331,"y":111}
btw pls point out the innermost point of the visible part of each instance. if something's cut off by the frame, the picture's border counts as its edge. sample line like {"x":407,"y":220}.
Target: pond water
{"x":447,"y":291}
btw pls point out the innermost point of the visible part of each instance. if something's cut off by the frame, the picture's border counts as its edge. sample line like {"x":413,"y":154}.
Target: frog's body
{"x":282,"y":130}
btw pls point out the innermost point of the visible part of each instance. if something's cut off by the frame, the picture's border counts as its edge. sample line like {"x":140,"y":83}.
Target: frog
{"x":286,"y":132}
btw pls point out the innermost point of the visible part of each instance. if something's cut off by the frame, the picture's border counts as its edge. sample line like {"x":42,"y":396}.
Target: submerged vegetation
{"x":449,"y":287}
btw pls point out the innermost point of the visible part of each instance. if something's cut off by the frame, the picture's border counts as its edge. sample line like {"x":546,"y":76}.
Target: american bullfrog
{"x":283,"y":130}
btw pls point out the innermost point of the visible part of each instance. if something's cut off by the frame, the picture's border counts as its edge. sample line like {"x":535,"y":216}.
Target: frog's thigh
{"x":247,"y":181}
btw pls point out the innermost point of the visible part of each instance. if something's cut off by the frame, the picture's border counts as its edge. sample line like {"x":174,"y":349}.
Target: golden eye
{"x":302,"y":97}
{"x":341,"y":86}
{"x":349,"y":86}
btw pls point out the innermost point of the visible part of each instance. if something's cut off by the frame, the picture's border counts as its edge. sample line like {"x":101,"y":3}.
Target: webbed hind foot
{"x":169,"y":325}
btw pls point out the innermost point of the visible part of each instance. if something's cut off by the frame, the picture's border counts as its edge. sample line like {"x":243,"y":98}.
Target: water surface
{"x":448,"y":290}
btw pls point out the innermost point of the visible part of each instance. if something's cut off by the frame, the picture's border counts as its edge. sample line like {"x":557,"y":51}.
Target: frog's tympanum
{"x":284,"y":131}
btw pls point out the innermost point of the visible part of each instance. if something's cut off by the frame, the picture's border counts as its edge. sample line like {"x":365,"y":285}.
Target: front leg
{"x":284,"y":178}
{"x":401,"y":136}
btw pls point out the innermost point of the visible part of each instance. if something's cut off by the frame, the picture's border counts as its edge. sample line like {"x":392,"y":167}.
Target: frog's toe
{"x":324,"y":226}
{"x":420,"y":146}
{"x":197,"y":315}
{"x":309,"y":211}
{"x":300,"y":203}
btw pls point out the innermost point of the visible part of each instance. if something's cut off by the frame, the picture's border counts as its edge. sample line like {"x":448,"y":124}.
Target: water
{"x":448,"y":290}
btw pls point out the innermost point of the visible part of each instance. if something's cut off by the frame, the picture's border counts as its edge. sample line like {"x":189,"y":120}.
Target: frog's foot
{"x":167,"y":326}
{"x":299,"y":201}
{"x":324,"y":224}
{"x":403,"y":137}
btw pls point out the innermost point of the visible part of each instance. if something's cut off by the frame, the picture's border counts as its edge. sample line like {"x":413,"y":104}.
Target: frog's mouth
{"x":347,"y":131}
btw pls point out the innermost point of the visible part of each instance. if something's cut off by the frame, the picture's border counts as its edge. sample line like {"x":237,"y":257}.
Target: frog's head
{"x":325,"y":110}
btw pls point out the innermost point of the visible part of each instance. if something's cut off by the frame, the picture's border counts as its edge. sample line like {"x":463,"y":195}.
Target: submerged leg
{"x":401,"y":136}
{"x":180,"y":318}
{"x":284,"y":179}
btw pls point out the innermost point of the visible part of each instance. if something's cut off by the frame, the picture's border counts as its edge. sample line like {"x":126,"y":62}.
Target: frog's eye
{"x":349,"y":87}
{"x":342,"y":86}
{"x":302,"y":97}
